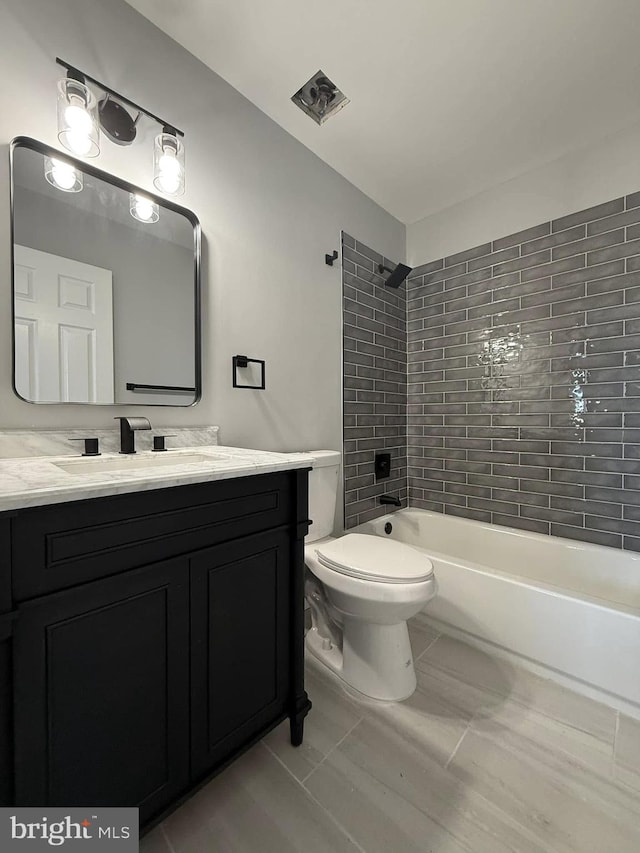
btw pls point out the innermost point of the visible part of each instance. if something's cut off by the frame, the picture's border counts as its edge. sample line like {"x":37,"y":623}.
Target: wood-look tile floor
{"x":484,"y":758}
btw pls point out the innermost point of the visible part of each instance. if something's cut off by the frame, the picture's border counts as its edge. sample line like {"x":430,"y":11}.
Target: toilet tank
{"x":323,"y":492}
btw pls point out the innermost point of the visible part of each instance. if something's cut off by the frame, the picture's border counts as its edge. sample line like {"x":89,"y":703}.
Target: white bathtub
{"x":571,"y":608}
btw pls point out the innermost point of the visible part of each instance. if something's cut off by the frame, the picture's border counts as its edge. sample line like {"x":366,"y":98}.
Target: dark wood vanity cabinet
{"x":134,"y":686}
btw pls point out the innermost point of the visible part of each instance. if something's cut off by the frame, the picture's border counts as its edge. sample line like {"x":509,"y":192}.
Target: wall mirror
{"x":106,"y":287}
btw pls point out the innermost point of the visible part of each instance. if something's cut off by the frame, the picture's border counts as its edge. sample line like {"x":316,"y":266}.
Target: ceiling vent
{"x":320,"y":98}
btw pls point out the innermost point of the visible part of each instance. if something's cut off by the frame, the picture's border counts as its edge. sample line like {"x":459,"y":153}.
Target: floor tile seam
{"x":424,"y":651}
{"x":528,"y":706}
{"x":453,"y":674}
{"x":606,"y":778}
{"x":333,"y":748}
{"x":165,"y":835}
{"x":604,"y":740}
{"x":435,"y":671}
{"x":457,"y":746}
{"x":617,"y":766}
{"x":616,"y":734}
{"x":493,"y":807}
{"x":315,"y":800}
{"x":497,"y":809}
{"x":494,"y":736}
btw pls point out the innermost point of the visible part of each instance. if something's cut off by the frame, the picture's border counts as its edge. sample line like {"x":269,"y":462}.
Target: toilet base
{"x":376,"y":660}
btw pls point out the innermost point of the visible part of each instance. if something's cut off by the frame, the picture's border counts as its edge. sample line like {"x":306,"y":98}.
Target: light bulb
{"x":168,"y":162}
{"x":63,"y":174}
{"x":169,"y":183}
{"x":144,"y":208}
{"x":78,"y":119}
{"x":79,"y":142}
{"x":169,"y":172}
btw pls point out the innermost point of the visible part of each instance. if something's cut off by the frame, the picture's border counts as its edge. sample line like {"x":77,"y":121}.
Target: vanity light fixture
{"x":143,"y":209}
{"x":77,"y":118}
{"x":80,"y":118}
{"x":63,"y":176}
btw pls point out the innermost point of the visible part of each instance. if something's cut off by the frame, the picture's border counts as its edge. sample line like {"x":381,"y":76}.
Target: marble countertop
{"x":39,"y":480}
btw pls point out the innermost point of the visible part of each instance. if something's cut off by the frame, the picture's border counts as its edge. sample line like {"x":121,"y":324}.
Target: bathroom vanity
{"x":151,"y":624}
{"x":151,"y":604}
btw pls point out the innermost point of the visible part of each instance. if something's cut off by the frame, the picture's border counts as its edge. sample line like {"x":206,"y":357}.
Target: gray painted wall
{"x":580,"y":179}
{"x":269,"y":208}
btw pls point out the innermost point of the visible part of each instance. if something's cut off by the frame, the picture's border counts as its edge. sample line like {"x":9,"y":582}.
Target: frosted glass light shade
{"x":78,"y":128}
{"x":143,"y":209}
{"x":63,"y":176}
{"x":168,"y":164}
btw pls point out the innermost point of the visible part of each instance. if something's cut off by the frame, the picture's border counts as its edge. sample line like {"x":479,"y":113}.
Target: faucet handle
{"x":158,"y":442}
{"x":91,"y":446}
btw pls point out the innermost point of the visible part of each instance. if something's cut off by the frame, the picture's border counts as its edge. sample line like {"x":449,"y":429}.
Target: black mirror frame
{"x":48,"y":151}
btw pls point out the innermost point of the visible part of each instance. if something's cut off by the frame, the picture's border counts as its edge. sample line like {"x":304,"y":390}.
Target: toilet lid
{"x":375,"y":558}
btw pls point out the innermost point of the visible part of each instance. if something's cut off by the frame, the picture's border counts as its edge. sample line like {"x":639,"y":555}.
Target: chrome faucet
{"x":128,"y":427}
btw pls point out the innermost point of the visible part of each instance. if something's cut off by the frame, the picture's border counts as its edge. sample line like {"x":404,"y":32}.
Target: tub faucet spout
{"x":389,"y":499}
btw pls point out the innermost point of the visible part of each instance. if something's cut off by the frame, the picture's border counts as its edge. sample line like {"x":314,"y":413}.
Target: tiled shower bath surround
{"x":375,"y":382}
{"x":524,"y":379}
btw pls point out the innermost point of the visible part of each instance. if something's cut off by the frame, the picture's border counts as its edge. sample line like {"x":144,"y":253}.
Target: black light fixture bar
{"x":77,"y":74}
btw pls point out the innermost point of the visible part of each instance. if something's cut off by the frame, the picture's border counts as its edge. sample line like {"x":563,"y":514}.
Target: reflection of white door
{"x":63,"y":329}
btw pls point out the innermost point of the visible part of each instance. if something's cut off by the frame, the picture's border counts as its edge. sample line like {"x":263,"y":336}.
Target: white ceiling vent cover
{"x":320,"y":98}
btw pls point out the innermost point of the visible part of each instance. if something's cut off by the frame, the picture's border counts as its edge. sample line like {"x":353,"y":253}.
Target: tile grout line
{"x":314,"y":799}
{"x":424,"y":651}
{"x":457,"y":746}
{"x":616,"y":731}
{"x":324,"y":757}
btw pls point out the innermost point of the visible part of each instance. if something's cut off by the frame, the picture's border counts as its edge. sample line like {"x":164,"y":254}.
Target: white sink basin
{"x":130,"y":463}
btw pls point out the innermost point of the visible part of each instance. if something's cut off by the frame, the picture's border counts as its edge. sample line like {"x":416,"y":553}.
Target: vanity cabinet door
{"x":101,"y":692}
{"x":240,"y":623}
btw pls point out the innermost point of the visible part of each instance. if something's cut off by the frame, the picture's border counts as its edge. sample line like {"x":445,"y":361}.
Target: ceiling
{"x":448,"y":97}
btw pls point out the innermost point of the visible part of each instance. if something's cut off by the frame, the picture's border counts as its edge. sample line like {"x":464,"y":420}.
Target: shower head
{"x":397,"y":276}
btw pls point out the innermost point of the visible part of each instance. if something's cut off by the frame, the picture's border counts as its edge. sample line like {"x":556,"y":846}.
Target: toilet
{"x":361,"y":590}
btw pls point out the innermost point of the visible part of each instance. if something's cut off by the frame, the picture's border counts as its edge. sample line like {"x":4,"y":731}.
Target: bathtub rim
{"x":512,"y":577}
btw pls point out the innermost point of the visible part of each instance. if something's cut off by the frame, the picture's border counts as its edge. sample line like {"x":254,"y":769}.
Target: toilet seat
{"x":373,"y":558}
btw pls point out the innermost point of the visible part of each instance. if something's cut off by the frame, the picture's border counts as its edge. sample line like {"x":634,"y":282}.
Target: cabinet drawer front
{"x":68,"y":544}
{"x":101,"y":693}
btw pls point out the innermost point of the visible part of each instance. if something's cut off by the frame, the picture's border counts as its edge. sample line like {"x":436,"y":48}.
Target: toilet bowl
{"x":361,"y":590}
{"x":360,"y":610}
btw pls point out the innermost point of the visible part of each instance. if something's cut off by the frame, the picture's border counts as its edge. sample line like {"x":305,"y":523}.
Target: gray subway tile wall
{"x":524,"y":380}
{"x":375,"y":382}
{"x":505,"y":379}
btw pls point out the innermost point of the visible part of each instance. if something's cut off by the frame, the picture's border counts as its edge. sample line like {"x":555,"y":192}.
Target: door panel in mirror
{"x":101,"y":299}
